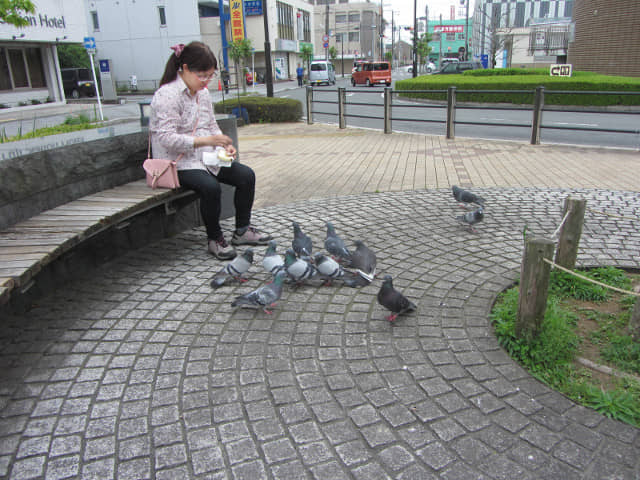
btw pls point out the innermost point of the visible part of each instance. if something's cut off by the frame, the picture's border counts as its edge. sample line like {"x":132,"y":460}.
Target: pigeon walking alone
{"x":301,"y":243}
{"x":393,"y":300}
{"x":262,"y":297}
{"x":335,"y":245}
{"x":298,"y":269}
{"x":465,"y":196}
{"x":364,"y":261}
{"x":272,"y":261}
{"x":234,"y":269}
{"x":471,"y":218}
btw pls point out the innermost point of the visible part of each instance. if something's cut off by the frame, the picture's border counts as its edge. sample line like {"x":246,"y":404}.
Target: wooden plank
{"x":7,"y":282}
{"x":19,"y":263}
{"x":20,"y":277}
{"x":7,"y":257}
{"x":27,"y":250}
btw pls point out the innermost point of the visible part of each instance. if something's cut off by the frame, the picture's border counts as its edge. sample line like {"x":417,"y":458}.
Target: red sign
{"x":448,"y":29}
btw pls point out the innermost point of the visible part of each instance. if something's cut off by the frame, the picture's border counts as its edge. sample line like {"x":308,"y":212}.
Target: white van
{"x":322,"y":71}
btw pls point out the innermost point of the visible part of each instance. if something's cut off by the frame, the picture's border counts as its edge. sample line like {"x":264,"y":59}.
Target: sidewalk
{"x":140,"y":370}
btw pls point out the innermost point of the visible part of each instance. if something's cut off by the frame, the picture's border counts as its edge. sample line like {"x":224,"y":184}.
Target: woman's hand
{"x":213,"y":141}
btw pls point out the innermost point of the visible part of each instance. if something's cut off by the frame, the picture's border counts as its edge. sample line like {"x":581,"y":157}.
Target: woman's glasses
{"x":205,"y":78}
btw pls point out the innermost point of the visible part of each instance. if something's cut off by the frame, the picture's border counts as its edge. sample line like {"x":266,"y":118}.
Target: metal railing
{"x":386,"y":111}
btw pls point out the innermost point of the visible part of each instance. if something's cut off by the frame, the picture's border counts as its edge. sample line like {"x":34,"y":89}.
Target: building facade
{"x":521,"y":32}
{"x":607,"y":37}
{"x":29,"y":67}
{"x":353,"y":29}
{"x":449,"y":38}
{"x":136,"y":35}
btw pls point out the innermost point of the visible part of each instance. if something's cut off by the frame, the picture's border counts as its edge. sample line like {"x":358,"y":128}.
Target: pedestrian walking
{"x":183,"y":127}
{"x":300,"y":74}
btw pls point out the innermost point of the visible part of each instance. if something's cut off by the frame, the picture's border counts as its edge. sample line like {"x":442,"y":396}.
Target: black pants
{"x":208,"y":188}
{"x":299,"y":81}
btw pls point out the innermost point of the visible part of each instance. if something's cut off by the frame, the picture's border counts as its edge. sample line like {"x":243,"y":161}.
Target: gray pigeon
{"x":234,"y":269}
{"x":465,"y":196}
{"x":298,"y":269}
{"x":262,"y":297}
{"x":272,"y":261}
{"x":364,"y":261}
{"x":393,"y":300}
{"x":471,"y":218}
{"x":335,"y":246}
{"x":301,"y":243}
{"x":327,"y":267}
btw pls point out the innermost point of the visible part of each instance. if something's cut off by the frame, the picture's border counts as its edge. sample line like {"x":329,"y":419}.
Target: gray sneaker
{"x":252,"y":236}
{"x":221,"y":249}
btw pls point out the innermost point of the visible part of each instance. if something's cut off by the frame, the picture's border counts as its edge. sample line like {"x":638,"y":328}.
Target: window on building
{"x":519,"y":22}
{"x":36,"y":70}
{"x":306,"y":21}
{"x":544,"y":9}
{"x":341,"y":18}
{"x":354,"y":17}
{"x":450,"y":37}
{"x":461,"y":36}
{"x":568,"y":8}
{"x":354,"y":36}
{"x":5,"y":74}
{"x":495,"y":15}
{"x":18,"y":68}
{"x":285,"y":21}
{"x":94,"y":20}
{"x":163,"y":16}
{"x":339,"y":37}
{"x":435,"y":37}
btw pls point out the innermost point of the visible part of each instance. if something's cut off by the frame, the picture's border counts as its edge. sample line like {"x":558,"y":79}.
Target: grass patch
{"x":71,"y":124}
{"x":582,"y":320}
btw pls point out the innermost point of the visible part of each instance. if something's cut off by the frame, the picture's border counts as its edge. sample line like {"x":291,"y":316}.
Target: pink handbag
{"x":161,"y":172}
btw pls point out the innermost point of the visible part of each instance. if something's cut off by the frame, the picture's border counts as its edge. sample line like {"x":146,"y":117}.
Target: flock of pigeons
{"x":299,"y":264}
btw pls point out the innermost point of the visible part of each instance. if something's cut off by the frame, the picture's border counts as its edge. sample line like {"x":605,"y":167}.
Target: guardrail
{"x":451,"y":107}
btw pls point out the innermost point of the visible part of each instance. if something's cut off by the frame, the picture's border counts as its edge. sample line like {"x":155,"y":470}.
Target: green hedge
{"x":264,"y":109}
{"x":526,"y":79}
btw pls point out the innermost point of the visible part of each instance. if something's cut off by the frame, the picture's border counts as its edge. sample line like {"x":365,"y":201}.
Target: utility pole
{"x":415,"y":39}
{"x":326,"y":30}
{"x":466,"y":34}
{"x":440,"y":54}
{"x":268,"y":74}
{"x":393,"y":39}
{"x":381,"y":33}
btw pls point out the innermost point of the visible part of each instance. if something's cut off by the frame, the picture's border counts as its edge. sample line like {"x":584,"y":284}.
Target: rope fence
{"x":587,"y":279}
{"x":566,"y":215}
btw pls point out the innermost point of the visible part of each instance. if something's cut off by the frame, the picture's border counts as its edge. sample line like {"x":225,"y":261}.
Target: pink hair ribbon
{"x":178,"y":49}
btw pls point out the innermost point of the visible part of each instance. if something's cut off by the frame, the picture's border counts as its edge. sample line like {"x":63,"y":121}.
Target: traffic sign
{"x":90,"y":44}
{"x":325,"y":45}
{"x":325,"y":38}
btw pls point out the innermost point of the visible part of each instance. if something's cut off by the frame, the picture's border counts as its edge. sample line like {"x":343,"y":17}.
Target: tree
{"x":73,"y":55}
{"x":12,"y":11}
{"x":240,"y":50}
{"x":333,"y":53}
{"x":388,"y":56}
{"x":422,"y":48}
{"x":306,"y":51}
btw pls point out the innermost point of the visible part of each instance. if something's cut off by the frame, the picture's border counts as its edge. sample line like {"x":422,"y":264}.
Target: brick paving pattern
{"x":140,"y":370}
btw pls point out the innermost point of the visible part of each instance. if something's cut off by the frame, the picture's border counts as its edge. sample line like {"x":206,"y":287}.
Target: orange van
{"x":372,"y":73}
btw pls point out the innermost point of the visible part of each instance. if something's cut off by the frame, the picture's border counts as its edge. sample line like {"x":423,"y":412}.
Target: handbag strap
{"x":157,"y":175}
{"x":192,"y":133}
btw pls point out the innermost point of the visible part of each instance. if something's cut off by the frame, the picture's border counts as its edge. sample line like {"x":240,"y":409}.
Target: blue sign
{"x":253,"y":7}
{"x":89,"y":43}
{"x":104,"y":66}
{"x":485,"y":60}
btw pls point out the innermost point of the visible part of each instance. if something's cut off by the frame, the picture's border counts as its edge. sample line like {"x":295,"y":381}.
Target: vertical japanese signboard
{"x":237,"y":20}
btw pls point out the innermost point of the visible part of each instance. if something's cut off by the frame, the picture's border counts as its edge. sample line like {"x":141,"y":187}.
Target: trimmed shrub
{"x":264,"y":109}
{"x":579,"y":84}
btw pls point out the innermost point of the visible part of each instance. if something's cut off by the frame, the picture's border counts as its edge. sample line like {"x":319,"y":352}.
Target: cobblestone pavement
{"x":140,"y":370}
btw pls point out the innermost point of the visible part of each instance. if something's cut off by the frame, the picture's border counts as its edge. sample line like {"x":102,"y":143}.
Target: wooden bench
{"x":30,"y":245}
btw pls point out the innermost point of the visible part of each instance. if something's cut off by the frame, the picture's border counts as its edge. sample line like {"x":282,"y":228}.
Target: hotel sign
{"x":448,"y":29}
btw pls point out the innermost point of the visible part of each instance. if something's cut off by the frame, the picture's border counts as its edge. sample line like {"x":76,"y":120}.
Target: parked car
{"x":429,"y":68}
{"x":372,"y":73}
{"x":322,"y":71}
{"x":459,"y":67}
{"x":77,"y":82}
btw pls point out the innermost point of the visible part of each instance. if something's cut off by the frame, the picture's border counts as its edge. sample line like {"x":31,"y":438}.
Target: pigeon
{"x":298,"y":269}
{"x":364,"y":261}
{"x":327,"y":267}
{"x":301,"y":243}
{"x":234,"y":269}
{"x":335,"y":246}
{"x":466,"y":196}
{"x":472,"y":218}
{"x":262,"y":297}
{"x":393,"y":300}
{"x":272,"y":262}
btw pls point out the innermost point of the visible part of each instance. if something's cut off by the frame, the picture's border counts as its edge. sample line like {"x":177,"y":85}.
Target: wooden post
{"x":534,"y":284}
{"x":570,"y":232}
{"x":634,"y":323}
